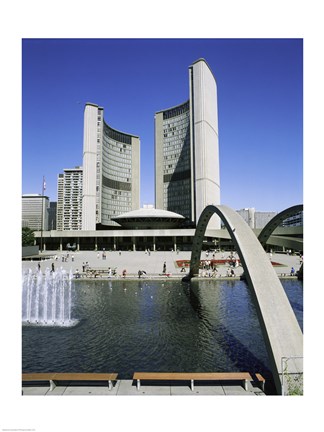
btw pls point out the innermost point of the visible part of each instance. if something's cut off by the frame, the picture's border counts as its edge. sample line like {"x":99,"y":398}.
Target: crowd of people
{"x":226,"y":265}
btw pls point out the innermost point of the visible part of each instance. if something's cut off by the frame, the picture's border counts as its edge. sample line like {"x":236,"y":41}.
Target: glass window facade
{"x":116,"y":174}
{"x":176,"y":160}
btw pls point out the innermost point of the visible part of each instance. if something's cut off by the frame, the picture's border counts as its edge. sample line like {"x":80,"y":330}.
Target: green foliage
{"x":27,"y":237}
{"x":294,"y":382}
{"x":295,"y":385}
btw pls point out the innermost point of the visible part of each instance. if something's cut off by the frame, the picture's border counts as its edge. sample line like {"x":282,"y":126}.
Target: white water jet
{"x":70,"y":294}
{"x":38,"y":285}
{"x":54,"y":289}
{"x":47,"y":298}
{"x":46,"y":284}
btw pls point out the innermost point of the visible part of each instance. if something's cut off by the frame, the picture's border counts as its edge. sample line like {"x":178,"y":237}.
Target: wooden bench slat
{"x":69,"y":376}
{"x":37,"y":376}
{"x":193,"y":376}
{"x":260,"y":378}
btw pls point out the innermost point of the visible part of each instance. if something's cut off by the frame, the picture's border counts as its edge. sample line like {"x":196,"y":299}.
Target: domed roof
{"x":149,"y":218}
{"x":149,"y":212}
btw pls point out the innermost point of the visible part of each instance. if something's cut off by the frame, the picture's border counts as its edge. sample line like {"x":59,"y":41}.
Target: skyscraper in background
{"x":187,"y":175}
{"x":35,"y":211}
{"x":69,"y":199}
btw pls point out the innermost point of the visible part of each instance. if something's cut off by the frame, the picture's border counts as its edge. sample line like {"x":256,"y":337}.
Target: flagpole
{"x":42,"y":221}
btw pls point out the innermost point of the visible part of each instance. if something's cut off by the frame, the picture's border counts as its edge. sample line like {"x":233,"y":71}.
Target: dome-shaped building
{"x":149,"y":218}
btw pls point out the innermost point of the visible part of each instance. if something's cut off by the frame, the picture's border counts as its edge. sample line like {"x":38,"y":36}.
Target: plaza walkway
{"x":151,"y":263}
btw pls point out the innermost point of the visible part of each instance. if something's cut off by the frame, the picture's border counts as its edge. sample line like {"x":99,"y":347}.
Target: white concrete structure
{"x":186,"y":150}
{"x":149,"y":218}
{"x":282,"y":334}
{"x":111,"y":171}
{"x":69,"y":199}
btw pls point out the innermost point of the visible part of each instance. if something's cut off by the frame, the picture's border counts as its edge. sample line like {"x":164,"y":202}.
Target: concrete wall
{"x":135,"y":173}
{"x":89,"y":167}
{"x":29,"y":251}
{"x":159,"y":160}
{"x":205,"y":139}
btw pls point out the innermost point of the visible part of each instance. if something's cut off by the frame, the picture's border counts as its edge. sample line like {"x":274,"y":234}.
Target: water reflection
{"x":124,"y":326}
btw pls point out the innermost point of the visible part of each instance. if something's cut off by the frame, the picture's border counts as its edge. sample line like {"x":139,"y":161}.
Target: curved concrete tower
{"x":111,"y":177}
{"x":186,"y":150}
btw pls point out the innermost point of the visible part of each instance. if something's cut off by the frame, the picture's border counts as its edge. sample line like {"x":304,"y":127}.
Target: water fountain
{"x":47,"y":298}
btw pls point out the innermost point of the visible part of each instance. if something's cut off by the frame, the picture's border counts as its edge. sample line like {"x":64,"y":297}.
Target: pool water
{"x":127,"y":326}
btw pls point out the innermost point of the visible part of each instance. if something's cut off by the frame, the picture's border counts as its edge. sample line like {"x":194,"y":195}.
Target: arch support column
{"x":281,"y":331}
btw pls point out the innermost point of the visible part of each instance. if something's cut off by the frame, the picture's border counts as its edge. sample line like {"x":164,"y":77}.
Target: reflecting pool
{"x":127,"y":326}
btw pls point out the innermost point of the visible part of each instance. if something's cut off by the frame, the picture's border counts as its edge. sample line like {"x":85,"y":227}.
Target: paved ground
{"x":128,"y":388}
{"x":152,"y":264}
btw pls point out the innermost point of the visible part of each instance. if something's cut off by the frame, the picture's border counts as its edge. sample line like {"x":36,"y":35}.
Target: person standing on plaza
{"x":164,"y":268}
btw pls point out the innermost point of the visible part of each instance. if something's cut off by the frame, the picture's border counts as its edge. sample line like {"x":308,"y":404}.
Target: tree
{"x":27,"y":237}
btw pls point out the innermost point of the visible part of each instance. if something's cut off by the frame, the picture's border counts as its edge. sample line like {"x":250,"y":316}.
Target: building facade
{"x":52,"y":215}
{"x":187,"y":175}
{"x":248,"y":214}
{"x":262,"y":218}
{"x":296,"y":220}
{"x":111,"y":171}
{"x":69,"y":199}
{"x":35,"y":211}
{"x":256,"y":219}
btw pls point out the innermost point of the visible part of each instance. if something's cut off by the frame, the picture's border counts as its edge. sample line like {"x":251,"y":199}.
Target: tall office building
{"x":52,"y":215}
{"x":111,"y":171}
{"x":69,"y":200}
{"x":35,"y":211}
{"x":186,"y":150}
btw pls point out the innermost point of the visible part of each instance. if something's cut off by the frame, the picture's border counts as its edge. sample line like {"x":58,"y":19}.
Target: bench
{"x":261,"y":380}
{"x":193,"y":376}
{"x":54,"y":377}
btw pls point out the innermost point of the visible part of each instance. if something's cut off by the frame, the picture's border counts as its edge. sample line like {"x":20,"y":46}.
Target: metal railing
{"x":292,"y":376}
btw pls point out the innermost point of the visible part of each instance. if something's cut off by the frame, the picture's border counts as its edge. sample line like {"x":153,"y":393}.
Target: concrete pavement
{"x":152,"y":264}
{"x":128,"y":388}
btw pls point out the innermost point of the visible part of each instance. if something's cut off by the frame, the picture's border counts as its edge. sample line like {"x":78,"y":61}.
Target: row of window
{"x":183,"y":123}
{"x":176,"y":111}
{"x":115,"y":158}
{"x":120,"y":137}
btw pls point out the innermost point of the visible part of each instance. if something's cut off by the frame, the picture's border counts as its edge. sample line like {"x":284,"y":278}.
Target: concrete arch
{"x":281,"y":331}
{"x":276,"y":221}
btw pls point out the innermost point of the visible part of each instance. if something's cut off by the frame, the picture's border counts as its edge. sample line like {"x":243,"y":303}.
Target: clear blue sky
{"x":260,"y":108}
